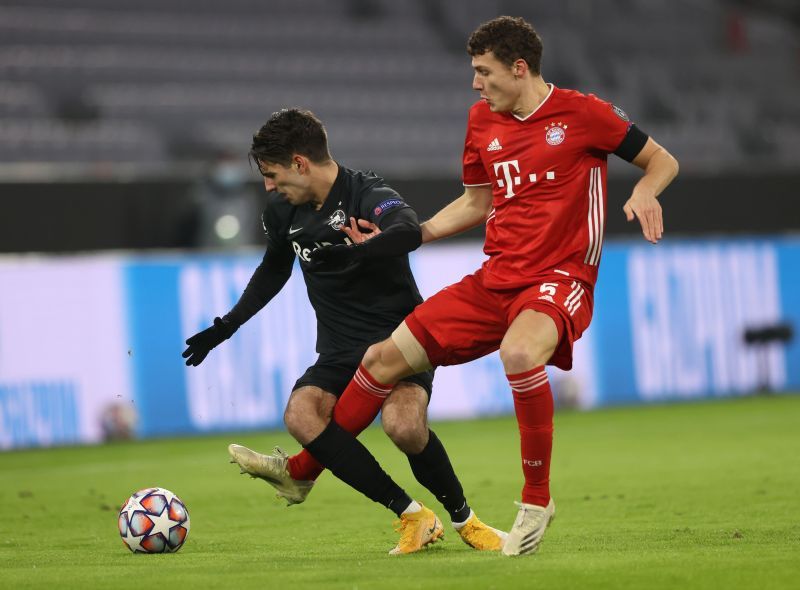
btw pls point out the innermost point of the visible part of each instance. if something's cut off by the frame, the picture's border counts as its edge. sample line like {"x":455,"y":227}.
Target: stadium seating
{"x":176,"y":80}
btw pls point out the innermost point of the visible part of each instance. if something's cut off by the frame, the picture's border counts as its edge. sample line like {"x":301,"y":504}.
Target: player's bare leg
{"x":528,"y":344}
{"x":308,"y":412}
{"x":405,"y":417}
{"x":386,"y":363}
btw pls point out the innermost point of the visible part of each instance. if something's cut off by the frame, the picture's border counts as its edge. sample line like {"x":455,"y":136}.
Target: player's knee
{"x":302,"y":420}
{"x":372,"y":358}
{"x":408,"y":434}
{"x":518,"y":359}
{"x":515,"y":356}
{"x":292,"y":418}
{"x":379,"y":361}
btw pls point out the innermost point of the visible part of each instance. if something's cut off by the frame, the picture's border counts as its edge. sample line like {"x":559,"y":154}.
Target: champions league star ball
{"x":154,"y":520}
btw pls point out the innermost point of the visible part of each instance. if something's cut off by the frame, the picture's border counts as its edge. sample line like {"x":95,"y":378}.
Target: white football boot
{"x":529,"y":527}
{"x":273,"y":470}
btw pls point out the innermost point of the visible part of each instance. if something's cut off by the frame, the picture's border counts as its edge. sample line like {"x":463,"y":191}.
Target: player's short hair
{"x":509,"y":38}
{"x":289,"y":132}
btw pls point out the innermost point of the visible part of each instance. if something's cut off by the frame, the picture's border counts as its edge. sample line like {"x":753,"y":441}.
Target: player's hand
{"x":361,"y":230}
{"x":201,"y":343}
{"x":647,"y":210}
{"x":335,"y":256}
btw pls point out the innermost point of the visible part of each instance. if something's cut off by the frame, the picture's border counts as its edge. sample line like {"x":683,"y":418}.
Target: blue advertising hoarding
{"x":668,"y":325}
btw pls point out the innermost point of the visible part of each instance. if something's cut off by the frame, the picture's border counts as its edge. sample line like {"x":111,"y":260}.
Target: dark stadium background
{"x":111,"y":112}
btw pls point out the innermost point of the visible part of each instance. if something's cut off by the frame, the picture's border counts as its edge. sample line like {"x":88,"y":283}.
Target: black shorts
{"x":333,"y":371}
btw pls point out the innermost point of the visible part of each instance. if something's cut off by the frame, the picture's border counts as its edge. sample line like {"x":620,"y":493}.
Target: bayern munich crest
{"x":555,"y":133}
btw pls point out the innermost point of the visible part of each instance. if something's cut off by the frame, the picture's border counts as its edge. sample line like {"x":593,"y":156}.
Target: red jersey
{"x":548,"y":177}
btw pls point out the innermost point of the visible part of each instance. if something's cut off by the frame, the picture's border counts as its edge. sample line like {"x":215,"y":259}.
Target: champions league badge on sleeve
{"x":337,"y":219}
{"x":388,"y":204}
{"x":555,"y":133}
{"x":620,"y":113}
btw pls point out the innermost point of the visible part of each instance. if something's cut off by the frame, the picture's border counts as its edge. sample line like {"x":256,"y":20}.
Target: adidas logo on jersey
{"x":494,"y":145}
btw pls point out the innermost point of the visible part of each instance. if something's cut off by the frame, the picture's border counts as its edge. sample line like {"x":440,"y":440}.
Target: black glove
{"x":201,"y":343}
{"x":336,"y":256}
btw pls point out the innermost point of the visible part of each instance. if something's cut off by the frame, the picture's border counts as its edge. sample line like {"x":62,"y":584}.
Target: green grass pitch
{"x":699,"y":495}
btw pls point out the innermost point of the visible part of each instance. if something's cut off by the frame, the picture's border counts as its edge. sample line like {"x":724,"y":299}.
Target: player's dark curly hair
{"x":510,"y":38}
{"x":289,"y":132}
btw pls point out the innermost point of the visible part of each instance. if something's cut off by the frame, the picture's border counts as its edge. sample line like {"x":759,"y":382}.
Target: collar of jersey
{"x":541,"y":104}
{"x":336,"y":190}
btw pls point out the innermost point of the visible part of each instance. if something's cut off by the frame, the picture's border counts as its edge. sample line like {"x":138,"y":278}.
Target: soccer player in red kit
{"x":534,"y":172}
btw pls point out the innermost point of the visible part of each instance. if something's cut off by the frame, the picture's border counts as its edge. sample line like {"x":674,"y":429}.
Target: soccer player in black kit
{"x":360,"y":289}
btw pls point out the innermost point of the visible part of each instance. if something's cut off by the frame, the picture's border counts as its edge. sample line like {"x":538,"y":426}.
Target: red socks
{"x":533,"y":404}
{"x":360,"y":402}
{"x":304,"y":467}
{"x":354,"y":411}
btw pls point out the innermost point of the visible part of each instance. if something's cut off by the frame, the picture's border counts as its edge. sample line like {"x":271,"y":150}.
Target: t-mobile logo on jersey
{"x":509,"y":180}
{"x":532,"y":463}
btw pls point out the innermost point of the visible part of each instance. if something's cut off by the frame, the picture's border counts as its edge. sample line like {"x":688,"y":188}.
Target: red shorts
{"x":466,"y":320}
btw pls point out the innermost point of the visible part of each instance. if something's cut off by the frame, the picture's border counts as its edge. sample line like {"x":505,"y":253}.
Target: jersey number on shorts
{"x":572,"y":301}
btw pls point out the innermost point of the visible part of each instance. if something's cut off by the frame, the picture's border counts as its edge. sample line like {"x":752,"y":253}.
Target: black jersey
{"x":365,"y":301}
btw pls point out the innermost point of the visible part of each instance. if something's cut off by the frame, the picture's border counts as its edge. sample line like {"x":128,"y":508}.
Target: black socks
{"x":433,"y":469}
{"x":350,"y":461}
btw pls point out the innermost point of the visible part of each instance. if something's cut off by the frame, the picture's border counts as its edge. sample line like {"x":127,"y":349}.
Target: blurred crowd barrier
{"x":90,"y":346}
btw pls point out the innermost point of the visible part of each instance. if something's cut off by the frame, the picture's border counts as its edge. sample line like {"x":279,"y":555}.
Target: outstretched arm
{"x":267,"y":280}
{"x":469,"y":210}
{"x":660,"y":168}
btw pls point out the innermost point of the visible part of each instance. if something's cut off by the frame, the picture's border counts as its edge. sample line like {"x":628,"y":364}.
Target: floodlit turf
{"x":702,"y":495}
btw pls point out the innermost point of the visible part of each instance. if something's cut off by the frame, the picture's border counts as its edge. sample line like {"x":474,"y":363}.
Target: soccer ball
{"x":154,"y":520}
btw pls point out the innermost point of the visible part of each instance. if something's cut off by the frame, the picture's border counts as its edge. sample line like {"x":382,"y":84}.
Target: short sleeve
{"x":607,"y":124}
{"x":378,"y":202}
{"x":474,"y":172}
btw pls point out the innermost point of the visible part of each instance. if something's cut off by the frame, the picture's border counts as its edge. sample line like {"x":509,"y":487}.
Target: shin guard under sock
{"x":433,"y":469}
{"x":349,"y":460}
{"x":533,"y":405}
